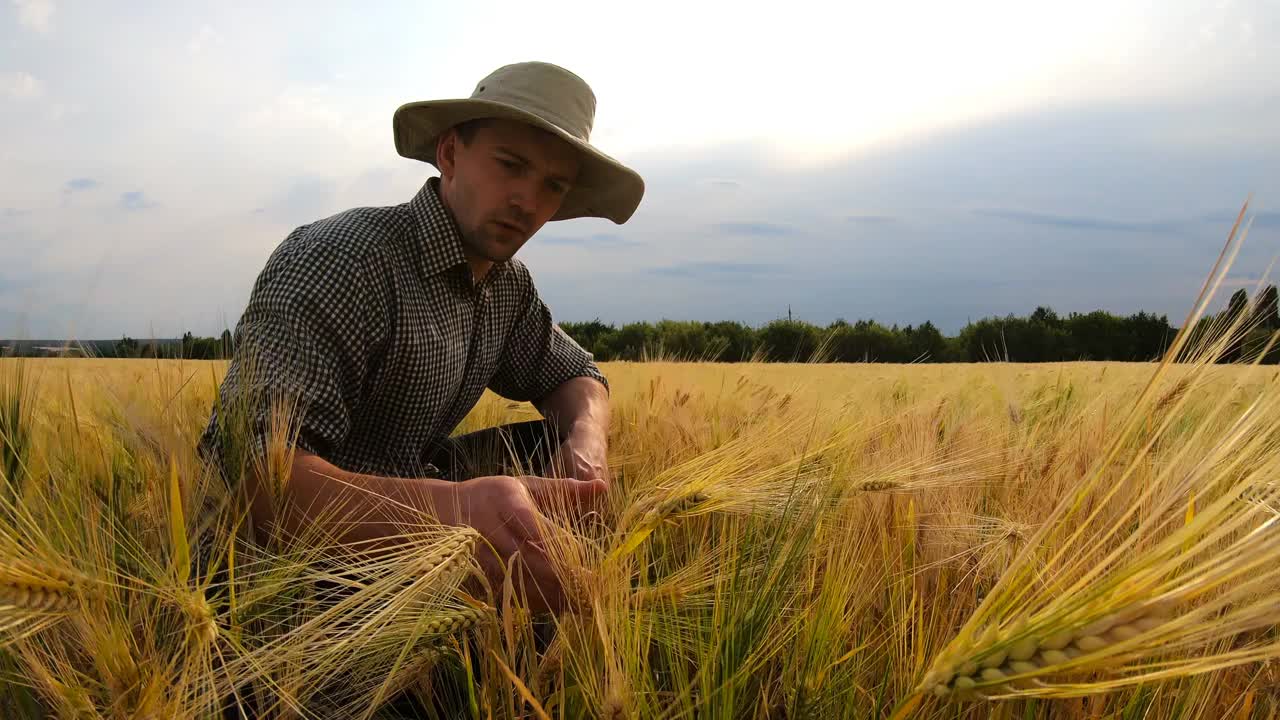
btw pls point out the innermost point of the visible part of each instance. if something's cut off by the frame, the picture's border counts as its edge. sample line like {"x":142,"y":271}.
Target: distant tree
{"x":591,"y":335}
{"x":1237,"y":307}
{"x":1238,"y":303}
{"x":1097,"y":335}
{"x":1046,"y":316}
{"x":684,"y":340}
{"x":789,"y":340}
{"x":632,"y":341}
{"x":1150,"y":336}
{"x":1255,"y":343}
{"x":1046,"y":337}
{"x":203,"y":348}
{"x":983,"y":341}
{"x":126,"y":347}
{"x":926,"y":343}
{"x":866,"y":341}
{"x":1266,"y":314}
{"x":736,"y":341}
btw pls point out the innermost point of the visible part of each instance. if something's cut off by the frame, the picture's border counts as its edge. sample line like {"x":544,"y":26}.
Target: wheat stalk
{"x":385,"y":604}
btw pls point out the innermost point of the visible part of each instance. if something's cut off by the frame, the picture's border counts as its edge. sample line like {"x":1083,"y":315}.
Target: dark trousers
{"x":522,"y":448}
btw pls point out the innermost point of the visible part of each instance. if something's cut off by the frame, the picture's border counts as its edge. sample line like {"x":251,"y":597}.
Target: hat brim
{"x":604,"y":187}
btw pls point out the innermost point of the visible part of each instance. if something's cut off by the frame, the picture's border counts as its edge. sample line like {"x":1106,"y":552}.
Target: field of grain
{"x":780,"y":541}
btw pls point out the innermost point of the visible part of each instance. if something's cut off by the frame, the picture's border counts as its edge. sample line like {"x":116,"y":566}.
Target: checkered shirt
{"x":372,"y":320}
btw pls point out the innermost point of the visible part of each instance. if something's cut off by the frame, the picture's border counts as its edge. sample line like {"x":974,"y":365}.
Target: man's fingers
{"x":524,"y":521}
{"x":537,"y":575}
{"x":542,"y":585}
{"x":563,"y":493}
{"x":533,"y":530}
{"x":520,"y":537}
{"x":551,"y":488}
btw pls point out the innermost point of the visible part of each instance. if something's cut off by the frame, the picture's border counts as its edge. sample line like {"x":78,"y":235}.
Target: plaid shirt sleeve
{"x":315,"y":317}
{"x":539,"y":356}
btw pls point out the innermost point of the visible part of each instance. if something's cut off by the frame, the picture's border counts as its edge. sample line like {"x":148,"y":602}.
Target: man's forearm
{"x":373,"y":511}
{"x":579,"y":404}
{"x":349,"y":507}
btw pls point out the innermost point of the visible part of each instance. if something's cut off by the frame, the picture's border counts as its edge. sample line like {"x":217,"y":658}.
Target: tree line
{"x":1042,"y":336}
{"x":188,"y":346}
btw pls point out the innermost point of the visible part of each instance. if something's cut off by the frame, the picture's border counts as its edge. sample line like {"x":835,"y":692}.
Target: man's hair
{"x":467,"y":130}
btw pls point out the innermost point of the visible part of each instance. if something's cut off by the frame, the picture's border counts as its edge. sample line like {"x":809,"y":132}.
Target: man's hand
{"x":580,"y":405}
{"x":583,"y":456}
{"x":504,"y":510}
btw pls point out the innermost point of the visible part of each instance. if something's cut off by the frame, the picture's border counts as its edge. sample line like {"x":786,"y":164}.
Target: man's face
{"x":504,"y":185}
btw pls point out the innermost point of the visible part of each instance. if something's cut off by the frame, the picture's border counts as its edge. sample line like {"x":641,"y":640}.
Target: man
{"x":387,"y":324}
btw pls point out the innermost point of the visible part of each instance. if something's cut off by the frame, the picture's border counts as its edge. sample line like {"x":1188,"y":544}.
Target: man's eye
{"x":509,"y":164}
{"x":558,"y":188}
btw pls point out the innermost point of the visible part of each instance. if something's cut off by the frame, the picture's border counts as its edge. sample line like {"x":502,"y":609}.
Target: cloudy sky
{"x":904,"y":162}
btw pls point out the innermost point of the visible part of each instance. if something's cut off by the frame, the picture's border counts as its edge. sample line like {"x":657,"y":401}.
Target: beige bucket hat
{"x":545,"y":96}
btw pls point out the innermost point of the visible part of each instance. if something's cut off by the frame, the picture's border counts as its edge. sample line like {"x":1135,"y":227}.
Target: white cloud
{"x":744,"y":117}
{"x":62,"y":111}
{"x":19,"y":86}
{"x":303,"y":118}
{"x":301,"y":107}
{"x":35,"y":14}
{"x":205,"y":37}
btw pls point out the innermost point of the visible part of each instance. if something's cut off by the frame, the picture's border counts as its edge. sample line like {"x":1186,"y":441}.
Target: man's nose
{"x":523,"y":197}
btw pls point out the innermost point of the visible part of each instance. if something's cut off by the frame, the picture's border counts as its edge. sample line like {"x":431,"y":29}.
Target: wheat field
{"x":780,"y":541}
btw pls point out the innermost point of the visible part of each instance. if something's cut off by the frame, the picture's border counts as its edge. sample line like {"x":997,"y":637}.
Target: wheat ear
{"x":37,"y":598}
{"x":999,"y":657}
{"x":456,"y":621}
{"x":44,"y":590}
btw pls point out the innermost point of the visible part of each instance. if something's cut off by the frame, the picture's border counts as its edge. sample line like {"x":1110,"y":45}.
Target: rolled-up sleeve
{"x":314,"y":319}
{"x":538,"y":355}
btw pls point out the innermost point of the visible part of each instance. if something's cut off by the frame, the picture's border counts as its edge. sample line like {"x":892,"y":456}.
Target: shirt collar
{"x":440,"y":241}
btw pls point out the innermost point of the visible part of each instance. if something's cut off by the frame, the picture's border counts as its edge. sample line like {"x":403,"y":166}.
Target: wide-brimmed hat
{"x":544,"y":96}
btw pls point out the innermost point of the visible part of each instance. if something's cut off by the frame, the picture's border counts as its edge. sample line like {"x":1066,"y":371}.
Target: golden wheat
{"x":46,"y":598}
{"x":789,"y":540}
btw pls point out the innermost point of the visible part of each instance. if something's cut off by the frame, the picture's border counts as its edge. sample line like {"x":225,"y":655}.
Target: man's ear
{"x":445,"y":146}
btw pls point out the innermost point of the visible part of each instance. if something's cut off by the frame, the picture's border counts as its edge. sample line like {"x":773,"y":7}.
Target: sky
{"x":904,"y":162}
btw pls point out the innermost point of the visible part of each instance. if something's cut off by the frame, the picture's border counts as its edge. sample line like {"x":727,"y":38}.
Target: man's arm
{"x":579,"y":409}
{"x":376,"y":511}
{"x":578,"y":404}
{"x":344,"y":506}
{"x":545,"y":366}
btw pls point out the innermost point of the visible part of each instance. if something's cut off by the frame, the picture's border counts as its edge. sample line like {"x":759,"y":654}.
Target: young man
{"x":387,"y":324}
